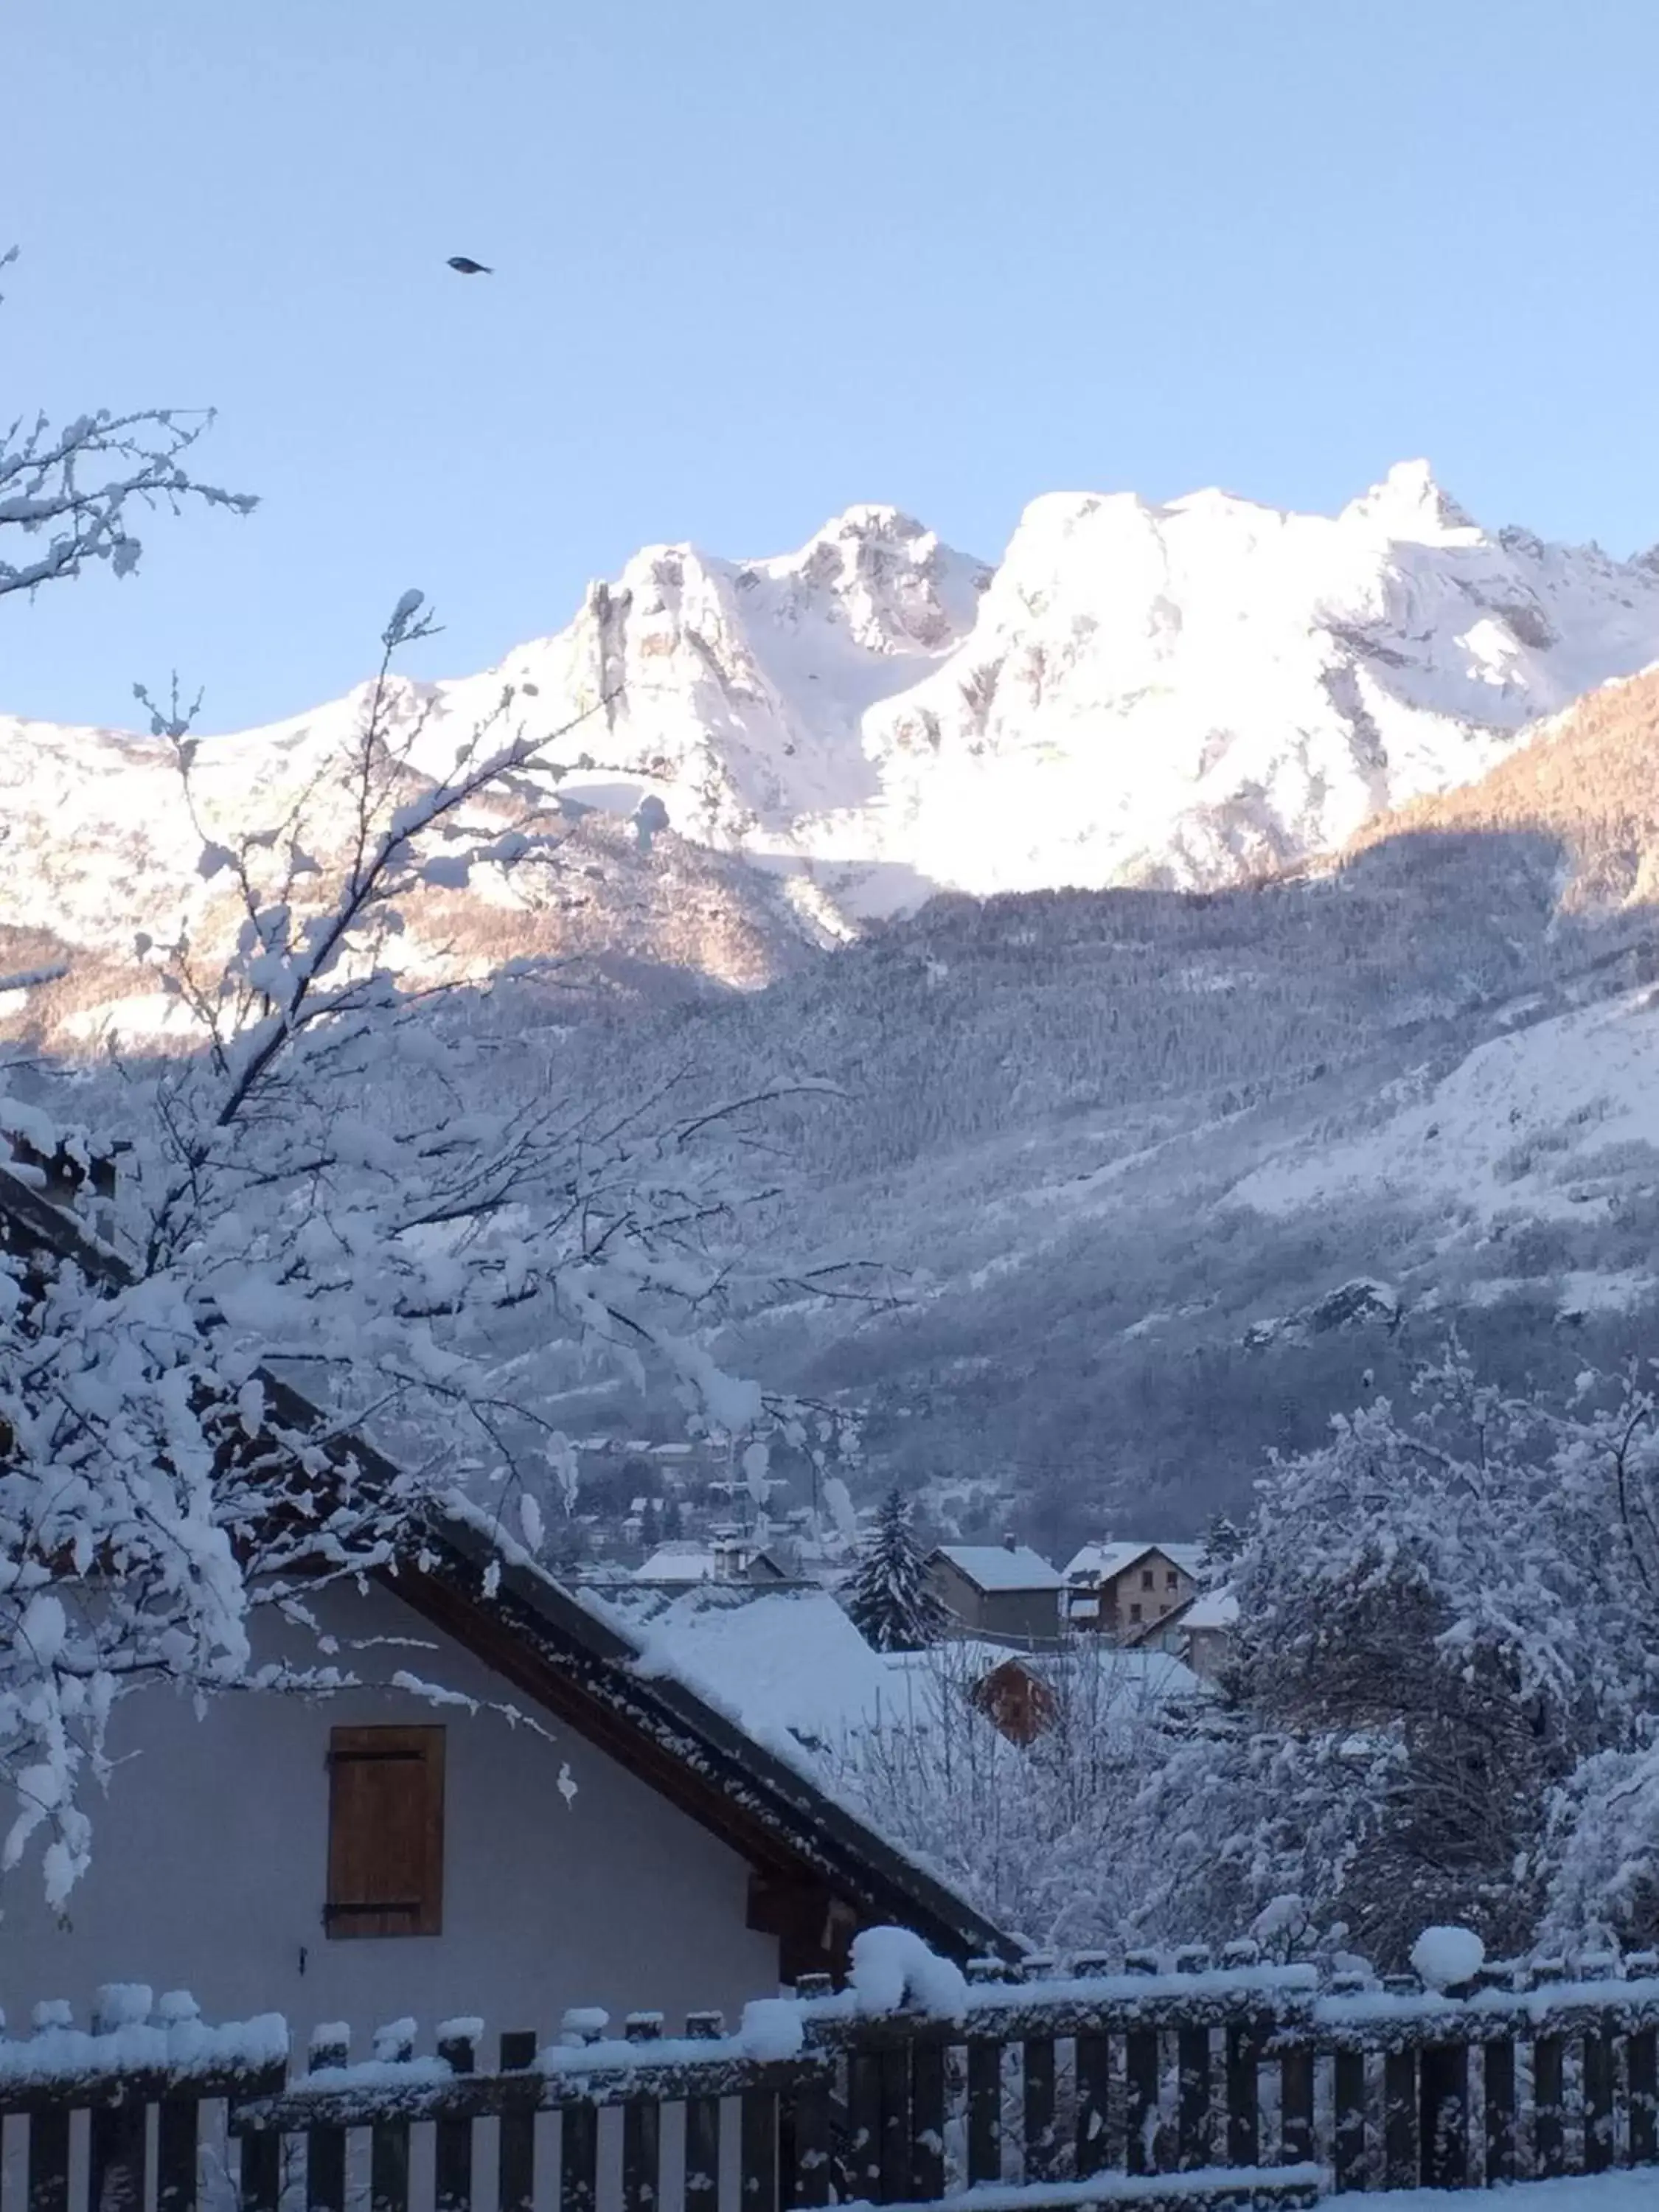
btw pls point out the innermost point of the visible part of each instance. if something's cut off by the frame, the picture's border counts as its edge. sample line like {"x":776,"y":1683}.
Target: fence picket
{"x":643,"y":2131}
{"x":1193,"y":2126}
{"x":864,"y":2118}
{"x":325,"y":2147}
{"x":261,"y":2172}
{"x":1040,"y":2147}
{"x":1140,"y":2114}
{"x":452,"y":2152}
{"x":115,"y":2166}
{"x":1598,"y":2098}
{"x":177,"y":2129}
{"x":1297,"y":2107}
{"x":1399,"y":2119}
{"x":757,"y":2150}
{"x":515,"y":2147}
{"x":1094,"y":2105}
{"x":984,"y":2110}
{"x":49,"y":2159}
{"x":896,"y":2134}
{"x":810,"y":2136}
{"x":1497,"y":2071}
{"x":1348,"y":2126}
{"x":1549,"y":2156}
{"x":927,"y":2123}
{"x":1443,"y":2093}
{"x":579,"y":2129}
{"x":702,"y":2131}
{"x":388,"y":2139}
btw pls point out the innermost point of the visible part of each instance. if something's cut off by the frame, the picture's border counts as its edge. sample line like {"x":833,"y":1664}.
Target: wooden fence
{"x":1199,"y":2085}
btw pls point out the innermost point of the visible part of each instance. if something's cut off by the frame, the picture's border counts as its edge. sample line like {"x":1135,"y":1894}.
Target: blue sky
{"x":758,"y":259}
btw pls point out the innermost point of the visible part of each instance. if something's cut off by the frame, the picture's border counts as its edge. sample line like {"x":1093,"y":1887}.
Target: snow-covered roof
{"x":700,"y":1563}
{"x":1110,"y":1692}
{"x":1212,"y":1609}
{"x":1002,"y":1566}
{"x":1104,"y":1562}
{"x":678,"y":1563}
{"x":962,"y":1659}
{"x":788,"y":1666}
{"x":796,"y":1675}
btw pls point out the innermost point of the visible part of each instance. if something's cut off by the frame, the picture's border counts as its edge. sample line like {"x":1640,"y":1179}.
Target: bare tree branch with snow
{"x":71,"y":492}
{"x":330,"y":1181}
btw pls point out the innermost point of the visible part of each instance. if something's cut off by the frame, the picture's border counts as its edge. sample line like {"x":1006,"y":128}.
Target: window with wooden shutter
{"x":386,"y":1832}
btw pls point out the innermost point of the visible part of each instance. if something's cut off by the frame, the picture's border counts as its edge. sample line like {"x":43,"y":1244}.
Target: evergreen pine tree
{"x":1223,"y":1543}
{"x":889,"y":1598}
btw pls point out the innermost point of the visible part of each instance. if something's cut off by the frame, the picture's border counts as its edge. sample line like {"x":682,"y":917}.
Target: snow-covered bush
{"x":1449,"y":1654}
{"x":1046,"y":1838}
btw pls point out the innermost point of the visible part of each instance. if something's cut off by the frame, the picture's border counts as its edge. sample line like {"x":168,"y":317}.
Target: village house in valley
{"x":727,"y":1556}
{"x":1004,"y":1591}
{"x":1200,"y":1633}
{"x":501,"y":1807}
{"x":1121,"y":1589}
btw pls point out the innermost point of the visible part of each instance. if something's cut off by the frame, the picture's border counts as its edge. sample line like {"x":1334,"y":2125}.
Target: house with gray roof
{"x":1005,"y":1592}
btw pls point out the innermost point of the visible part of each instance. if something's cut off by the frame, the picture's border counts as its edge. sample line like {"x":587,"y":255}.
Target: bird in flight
{"x":468,"y":267}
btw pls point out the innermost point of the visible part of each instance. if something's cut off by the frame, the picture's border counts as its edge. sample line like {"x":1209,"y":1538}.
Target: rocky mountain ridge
{"x":1182,"y":696}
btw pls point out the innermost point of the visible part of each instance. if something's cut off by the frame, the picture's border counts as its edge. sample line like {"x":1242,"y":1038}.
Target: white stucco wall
{"x":210,"y":1858}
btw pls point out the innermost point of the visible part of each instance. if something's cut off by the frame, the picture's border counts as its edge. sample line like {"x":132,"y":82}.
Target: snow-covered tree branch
{"x":354,"y":1168}
{"x":72,"y":492}
{"x":1046,"y":1838}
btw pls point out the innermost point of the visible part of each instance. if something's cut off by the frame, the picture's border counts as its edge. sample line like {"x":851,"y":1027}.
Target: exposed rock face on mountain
{"x":1186,"y":695}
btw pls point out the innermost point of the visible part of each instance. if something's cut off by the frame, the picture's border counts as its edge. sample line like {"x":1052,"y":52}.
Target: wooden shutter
{"x":386,"y":1832}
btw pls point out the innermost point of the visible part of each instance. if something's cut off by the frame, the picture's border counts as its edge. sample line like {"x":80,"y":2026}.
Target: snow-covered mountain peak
{"x":1181,"y":693}
{"x":1411,"y":508}
{"x":890,"y":580}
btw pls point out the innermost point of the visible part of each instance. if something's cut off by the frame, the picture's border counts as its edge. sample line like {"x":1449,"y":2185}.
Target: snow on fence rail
{"x":1006,"y":2090}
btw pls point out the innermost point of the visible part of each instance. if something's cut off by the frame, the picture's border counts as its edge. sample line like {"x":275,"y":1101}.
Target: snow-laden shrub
{"x":1449,"y":1655}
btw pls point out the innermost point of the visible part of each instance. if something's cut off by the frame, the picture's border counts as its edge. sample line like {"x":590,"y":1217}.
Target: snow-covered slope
{"x":1553,"y":1121}
{"x":1191,"y":693}
{"x":1183,"y":695}
{"x":1180,"y":694}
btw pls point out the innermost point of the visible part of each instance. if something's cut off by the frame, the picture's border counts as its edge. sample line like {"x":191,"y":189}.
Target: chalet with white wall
{"x":500,"y":1807}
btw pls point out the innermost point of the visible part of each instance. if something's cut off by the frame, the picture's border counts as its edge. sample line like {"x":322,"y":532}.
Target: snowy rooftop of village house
{"x":1212,"y":1609}
{"x":1101,"y":1562}
{"x":679,"y":1563}
{"x":693,"y":1562}
{"x":1002,"y":1566}
{"x":789,"y":1666}
{"x":793,"y":1671}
